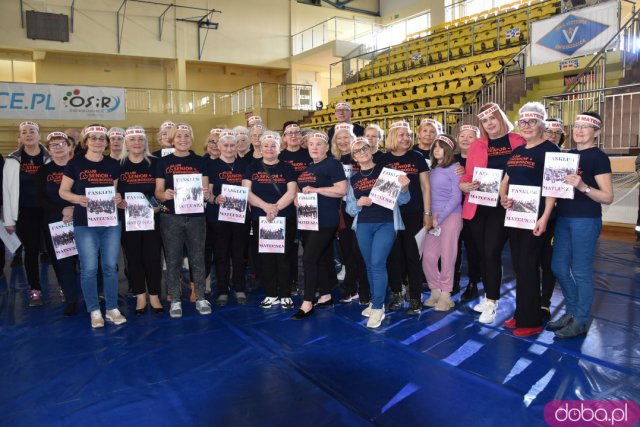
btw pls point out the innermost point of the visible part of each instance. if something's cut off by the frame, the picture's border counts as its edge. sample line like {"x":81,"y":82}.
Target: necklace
{"x":230,"y":166}
{"x":367,"y":175}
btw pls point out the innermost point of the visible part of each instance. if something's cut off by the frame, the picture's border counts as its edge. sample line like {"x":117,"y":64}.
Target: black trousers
{"x":28,"y":227}
{"x":525,"y":255}
{"x":275,"y":268}
{"x":355,"y":270}
{"x":489,"y":235}
{"x":548,"y":278}
{"x":65,"y":270}
{"x":230,"y":248}
{"x":473,"y":257}
{"x":144,"y":260}
{"x":317,"y":260}
{"x":405,"y":258}
{"x":209,"y":245}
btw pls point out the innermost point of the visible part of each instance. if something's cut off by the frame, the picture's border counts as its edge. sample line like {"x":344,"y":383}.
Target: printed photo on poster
{"x":271,"y":235}
{"x":524,"y":211}
{"x":308,"y":211}
{"x":488,"y":192}
{"x":101,"y":210}
{"x":63,"y":239}
{"x":138,"y":215}
{"x":556,"y":168}
{"x":387,"y":188}
{"x":187,"y":196}
{"x":234,"y":208}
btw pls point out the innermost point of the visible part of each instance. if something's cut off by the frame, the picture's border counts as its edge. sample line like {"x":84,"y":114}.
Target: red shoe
{"x":511,"y":323}
{"x":527,"y":332}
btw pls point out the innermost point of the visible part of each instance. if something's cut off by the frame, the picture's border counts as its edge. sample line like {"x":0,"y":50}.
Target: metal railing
{"x":618,"y":105}
{"x":259,"y":95}
{"x":333,"y":29}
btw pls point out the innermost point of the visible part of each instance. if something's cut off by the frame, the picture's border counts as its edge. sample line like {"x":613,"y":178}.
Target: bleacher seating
{"x":440,"y":70}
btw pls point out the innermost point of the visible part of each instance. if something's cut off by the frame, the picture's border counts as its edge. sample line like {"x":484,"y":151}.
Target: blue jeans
{"x":375,"y":241}
{"x":90,"y":241}
{"x":574,"y":248}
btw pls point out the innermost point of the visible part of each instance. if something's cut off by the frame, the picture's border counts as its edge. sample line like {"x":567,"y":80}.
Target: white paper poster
{"x":308,"y":211}
{"x":524,"y":211}
{"x":488,"y":192}
{"x":11,"y":241}
{"x":187,"y":196}
{"x":271,"y":235}
{"x":101,"y":210}
{"x":348,"y":170}
{"x":556,"y":168}
{"x":138,"y":215}
{"x":386,"y":190}
{"x":234,"y":208}
{"x":63,"y":239}
{"x":167,"y":151}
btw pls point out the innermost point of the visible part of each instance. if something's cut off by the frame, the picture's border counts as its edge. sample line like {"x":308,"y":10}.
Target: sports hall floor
{"x":245,"y":366}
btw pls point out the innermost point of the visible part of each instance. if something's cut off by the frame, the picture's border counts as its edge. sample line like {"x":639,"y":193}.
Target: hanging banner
{"x":55,"y":102}
{"x":572,"y":34}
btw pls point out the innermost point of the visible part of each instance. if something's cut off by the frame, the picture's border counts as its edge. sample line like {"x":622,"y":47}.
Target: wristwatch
{"x":587,"y":190}
{"x":428,"y":213}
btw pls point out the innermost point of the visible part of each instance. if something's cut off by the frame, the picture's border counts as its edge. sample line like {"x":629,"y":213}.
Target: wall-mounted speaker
{"x":47,"y":26}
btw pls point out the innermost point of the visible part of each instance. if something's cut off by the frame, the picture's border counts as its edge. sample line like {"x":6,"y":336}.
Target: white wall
{"x":394,"y":10}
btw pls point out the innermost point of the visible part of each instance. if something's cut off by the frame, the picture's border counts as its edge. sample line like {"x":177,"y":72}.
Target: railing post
{"x":148,"y":101}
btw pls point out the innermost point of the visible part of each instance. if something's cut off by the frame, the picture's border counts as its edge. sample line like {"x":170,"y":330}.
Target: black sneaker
{"x":415,"y":306}
{"x":396,"y":301}
{"x":70,"y":309}
{"x":456,"y":287}
{"x":545,"y":314}
{"x":471,"y":293}
{"x":364,"y":300}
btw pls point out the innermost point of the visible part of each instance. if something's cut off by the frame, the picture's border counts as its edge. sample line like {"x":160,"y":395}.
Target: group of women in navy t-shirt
{"x":378,"y":244}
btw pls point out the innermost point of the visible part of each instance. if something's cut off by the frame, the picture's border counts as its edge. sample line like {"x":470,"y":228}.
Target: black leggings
{"x":317,"y":259}
{"x":473,"y":257}
{"x":490,"y":236}
{"x":28,"y":227}
{"x":230,"y":249}
{"x":275,"y":268}
{"x":354,"y":267}
{"x":546,"y":253}
{"x":405,"y":258}
{"x":525,"y":255}
{"x":144,"y":262}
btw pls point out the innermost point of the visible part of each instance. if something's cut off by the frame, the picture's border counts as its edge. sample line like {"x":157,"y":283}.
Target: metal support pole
{"x":118,"y":28}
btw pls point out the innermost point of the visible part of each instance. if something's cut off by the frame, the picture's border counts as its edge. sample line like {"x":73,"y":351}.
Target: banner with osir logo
{"x":53,"y":102}
{"x":575,"y":33}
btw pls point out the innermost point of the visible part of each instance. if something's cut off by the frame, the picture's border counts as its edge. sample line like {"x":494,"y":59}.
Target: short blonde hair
{"x":334,"y":146}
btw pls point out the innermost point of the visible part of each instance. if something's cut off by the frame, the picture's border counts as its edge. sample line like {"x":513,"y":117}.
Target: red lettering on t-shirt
{"x":55,"y":177}
{"x":365,"y":184}
{"x":307,"y":177}
{"x":499,"y":151}
{"x":180,"y":170}
{"x":263,"y":178}
{"x":133,"y":177}
{"x":230,"y":177}
{"x":408,"y":168}
{"x":520,"y":161}
{"x":30,"y":168}
{"x":93,"y":177}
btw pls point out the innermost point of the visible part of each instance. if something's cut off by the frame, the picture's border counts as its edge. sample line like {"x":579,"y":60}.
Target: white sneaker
{"x":489,"y":313}
{"x":96,"y":319}
{"x":375,"y":318}
{"x":185,"y":263}
{"x":269,"y":301}
{"x":342,"y":273}
{"x":367,"y":311}
{"x":433,"y":298}
{"x":287,"y":303}
{"x":203,"y":306}
{"x":114,"y":316}
{"x":445,"y":303}
{"x":479,"y":307}
{"x":176,"y":309}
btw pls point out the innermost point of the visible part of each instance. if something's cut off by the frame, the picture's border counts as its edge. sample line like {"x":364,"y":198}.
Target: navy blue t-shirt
{"x":425,"y":153}
{"x":378,"y":156}
{"x":593,"y":162}
{"x":499,"y":151}
{"x":262,"y":186}
{"x":412,"y":163}
{"x":51,"y":177}
{"x":137,"y":178}
{"x":324,"y":174}
{"x":88,"y":174}
{"x":461,"y":160}
{"x":362,"y":182}
{"x":221,"y":172}
{"x":526,"y":166}
{"x":29,"y":167}
{"x":298,"y":159}
{"x":171,"y":165}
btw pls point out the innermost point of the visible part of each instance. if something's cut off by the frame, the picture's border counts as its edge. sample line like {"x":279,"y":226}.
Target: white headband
{"x":583,"y":118}
{"x":343,"y":126}
{"x":183,"y":127}
{"x":472,"y":128}
{"x":254,"y":119}
{"x":292,"y":128}
{"x":343,"y":105}
{"x":319,"y":135}
{"x":95,"y":129}
{"x":215,"y":130}
{"x":436,"y":124}
{"x":400,"y":125}
{"x":227,"y":134}
{"x":135,"y":132}
{"x":27,"y":123}
{"x":358,"y":140}
{"x":446,"y":140}
{"x":489,"y":111}
{"x":57,"y":134}
{"x":167,"y":124}
{"x":531,"y":115}
{"x":116,"y":133}
{"x":555,"y":125}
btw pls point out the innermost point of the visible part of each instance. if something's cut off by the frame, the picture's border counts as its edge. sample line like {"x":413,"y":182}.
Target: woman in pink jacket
{"x":492,"y":150}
